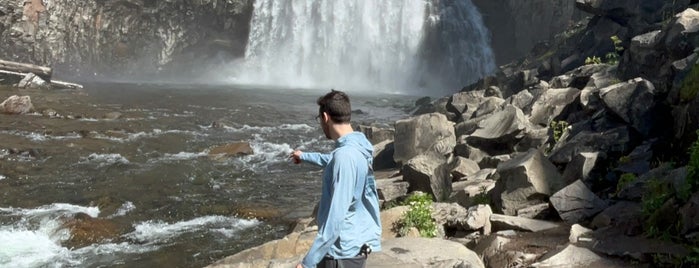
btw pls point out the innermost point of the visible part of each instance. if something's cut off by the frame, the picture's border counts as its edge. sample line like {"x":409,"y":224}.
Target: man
{"x":349,"y":227}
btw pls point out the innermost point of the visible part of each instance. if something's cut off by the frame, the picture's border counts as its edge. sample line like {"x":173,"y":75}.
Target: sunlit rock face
{"x":122,"y":37}
{"x":391,"y":45}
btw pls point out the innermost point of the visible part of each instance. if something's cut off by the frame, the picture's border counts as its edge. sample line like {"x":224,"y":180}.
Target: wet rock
{"x":85,"y":230}
{"x":112,"y":116}
{"x":233,"y":149}
{"x":256,"y":211}
{"x":284,"y":252}
{"x":576,"y":202}
{"x":49,"y":113}
{"x":17,"y":105}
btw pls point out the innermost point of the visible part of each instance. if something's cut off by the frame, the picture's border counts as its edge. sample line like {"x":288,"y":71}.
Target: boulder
{"x":576,"y":202}
{"x":578,"y":233}
{"x":86,"y":230}
{"x":525,"y":180}
{"x":613,"y":141}
{"x":582,"y":166}
{"x":17,"y":105}
{"x":499,"y":132}
{"x":538,"y":211}
{"x":521,"y":100}
{"x":554,"y":104}
{"x":488,"y":106}
{"x":504,"y":222}
{"x":479,"y":217}
{"x":428,"y":174}
{"x":612,"y":242}
{"x":376,"y":135}
{"x":635,"y":102}
{"x":574,"y":256}
{"x":424,"y":252}
{"x":437,"y":106}
{"x":390,"y":219}
{"x":472,"y":192}
{"x":232,"y":149}
{"x":579,"y":77}
{"x":623,"y":215}
{"x":465,"y":103}
{"x":428,"y":133}
{"x":31,"y":81}
{"x":391,"y":189}
{"x":463,"y":168}
{"x":450,"y":216}
{"x":383,"y":155}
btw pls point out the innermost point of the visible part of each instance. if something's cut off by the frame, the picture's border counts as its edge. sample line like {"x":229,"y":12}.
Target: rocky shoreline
{"x":559,"y":160}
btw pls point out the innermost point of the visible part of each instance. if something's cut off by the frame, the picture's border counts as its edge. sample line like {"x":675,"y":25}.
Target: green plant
{"x":624,"y":160}
{"x":593,"y":60}
{"x":625,"y":180}
{"x":690,"y":85}
{"x":419,"y":215}
{"x":558,"y":128}
{"x":482,"y":198}
{"x":613,"y":57}
{"x":691,"y":183}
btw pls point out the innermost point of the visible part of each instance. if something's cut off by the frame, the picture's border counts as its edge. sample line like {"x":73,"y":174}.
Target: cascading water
{"x":390,"y":46}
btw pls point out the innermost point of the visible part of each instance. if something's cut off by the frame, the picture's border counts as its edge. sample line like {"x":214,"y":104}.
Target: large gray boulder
{"x":17,"y":105}
{"x":383,"y":155}
{"x":428,"y":133}
{"x":424,"y":252}
{"x":499,"y":132}
{"x":391,"y":189}
{"x":576,"y":202}
{"x":525,"y":180}
{"x":505,"y":222}
{"x":583,"y":165}
{"x":635,"y":102}
{"x":552,"y":104}
{"x":462,"y":168}
{"x":428,"y":174}
{"x":575,"y":256}
{"x":616,"y":140}
{"x":465,"y":103}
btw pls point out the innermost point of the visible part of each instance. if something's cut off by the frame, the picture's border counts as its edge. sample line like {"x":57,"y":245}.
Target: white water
{"x":390,"y":45}
{"x":35,"y":240}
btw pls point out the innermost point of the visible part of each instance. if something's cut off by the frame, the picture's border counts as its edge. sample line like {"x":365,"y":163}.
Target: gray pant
{"x":356,"y":262}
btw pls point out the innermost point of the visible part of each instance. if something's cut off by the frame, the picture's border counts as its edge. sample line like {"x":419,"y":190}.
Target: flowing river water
{"x":148,"y":172}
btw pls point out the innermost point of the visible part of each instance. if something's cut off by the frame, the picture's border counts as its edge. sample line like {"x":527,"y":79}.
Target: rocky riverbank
{"x":577,"y":156}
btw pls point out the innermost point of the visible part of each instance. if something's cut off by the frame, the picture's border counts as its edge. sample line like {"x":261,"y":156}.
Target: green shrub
{"x":690,"y":85}
{"x":558,"y":128}
{"x":691,"y":183}
{"x":613,"y":57}
{"x":593,"y":60}
{"x":482,"y":198}
{"x":625,"y":179}
{"x":419,"y":215}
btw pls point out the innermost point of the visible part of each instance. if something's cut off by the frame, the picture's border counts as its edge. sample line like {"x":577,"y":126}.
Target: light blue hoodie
{"x":348,"y":214}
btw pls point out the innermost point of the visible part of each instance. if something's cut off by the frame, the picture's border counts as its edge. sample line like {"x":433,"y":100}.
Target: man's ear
{"x":326,"y":117}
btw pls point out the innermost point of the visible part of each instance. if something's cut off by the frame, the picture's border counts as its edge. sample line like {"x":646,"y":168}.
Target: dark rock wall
{"x":115,"y":37}
{"x":517,"y":26}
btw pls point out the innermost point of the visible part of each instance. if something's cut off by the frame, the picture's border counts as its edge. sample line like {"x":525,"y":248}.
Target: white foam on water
{"x":182,"y":156}
{"x":88,"y":119}
{"x":142,"y":135}
{"x":104,"y":160}
{"x":34,"y":240}
{"x":126,"y":207}
{"x":158,"y":231}
{"x":2,"y":177}
{"x":285,"y":127}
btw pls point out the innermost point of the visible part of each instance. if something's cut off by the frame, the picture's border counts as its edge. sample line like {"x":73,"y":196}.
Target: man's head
{"x":336,"y":105}
{"x":333,"y":108}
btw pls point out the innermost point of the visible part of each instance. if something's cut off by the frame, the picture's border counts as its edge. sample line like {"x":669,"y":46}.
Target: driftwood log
{"x":41,"y":71}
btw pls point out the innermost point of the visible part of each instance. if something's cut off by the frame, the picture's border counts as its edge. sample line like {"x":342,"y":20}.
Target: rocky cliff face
{"x":122,"y":36}
{"x":517,"y":26}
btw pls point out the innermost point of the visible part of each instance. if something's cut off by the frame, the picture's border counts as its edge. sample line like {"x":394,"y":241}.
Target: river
{"x":148,"y":171}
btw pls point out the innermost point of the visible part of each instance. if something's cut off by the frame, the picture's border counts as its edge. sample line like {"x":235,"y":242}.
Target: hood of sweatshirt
{"x":359,"y":141}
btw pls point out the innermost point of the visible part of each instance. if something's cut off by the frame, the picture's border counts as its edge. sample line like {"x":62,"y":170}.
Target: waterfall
{"x":386,"y":46}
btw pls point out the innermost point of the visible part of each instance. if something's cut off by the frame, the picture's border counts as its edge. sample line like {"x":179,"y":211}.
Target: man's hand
{"x":299,"y":266}
{"x":296,"y":156}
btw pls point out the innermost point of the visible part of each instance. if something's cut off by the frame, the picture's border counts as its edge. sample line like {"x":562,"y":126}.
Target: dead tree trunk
{"x":41,"y":71}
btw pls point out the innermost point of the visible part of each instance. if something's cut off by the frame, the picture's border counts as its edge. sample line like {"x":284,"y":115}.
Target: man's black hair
{"x":337,"y":105}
